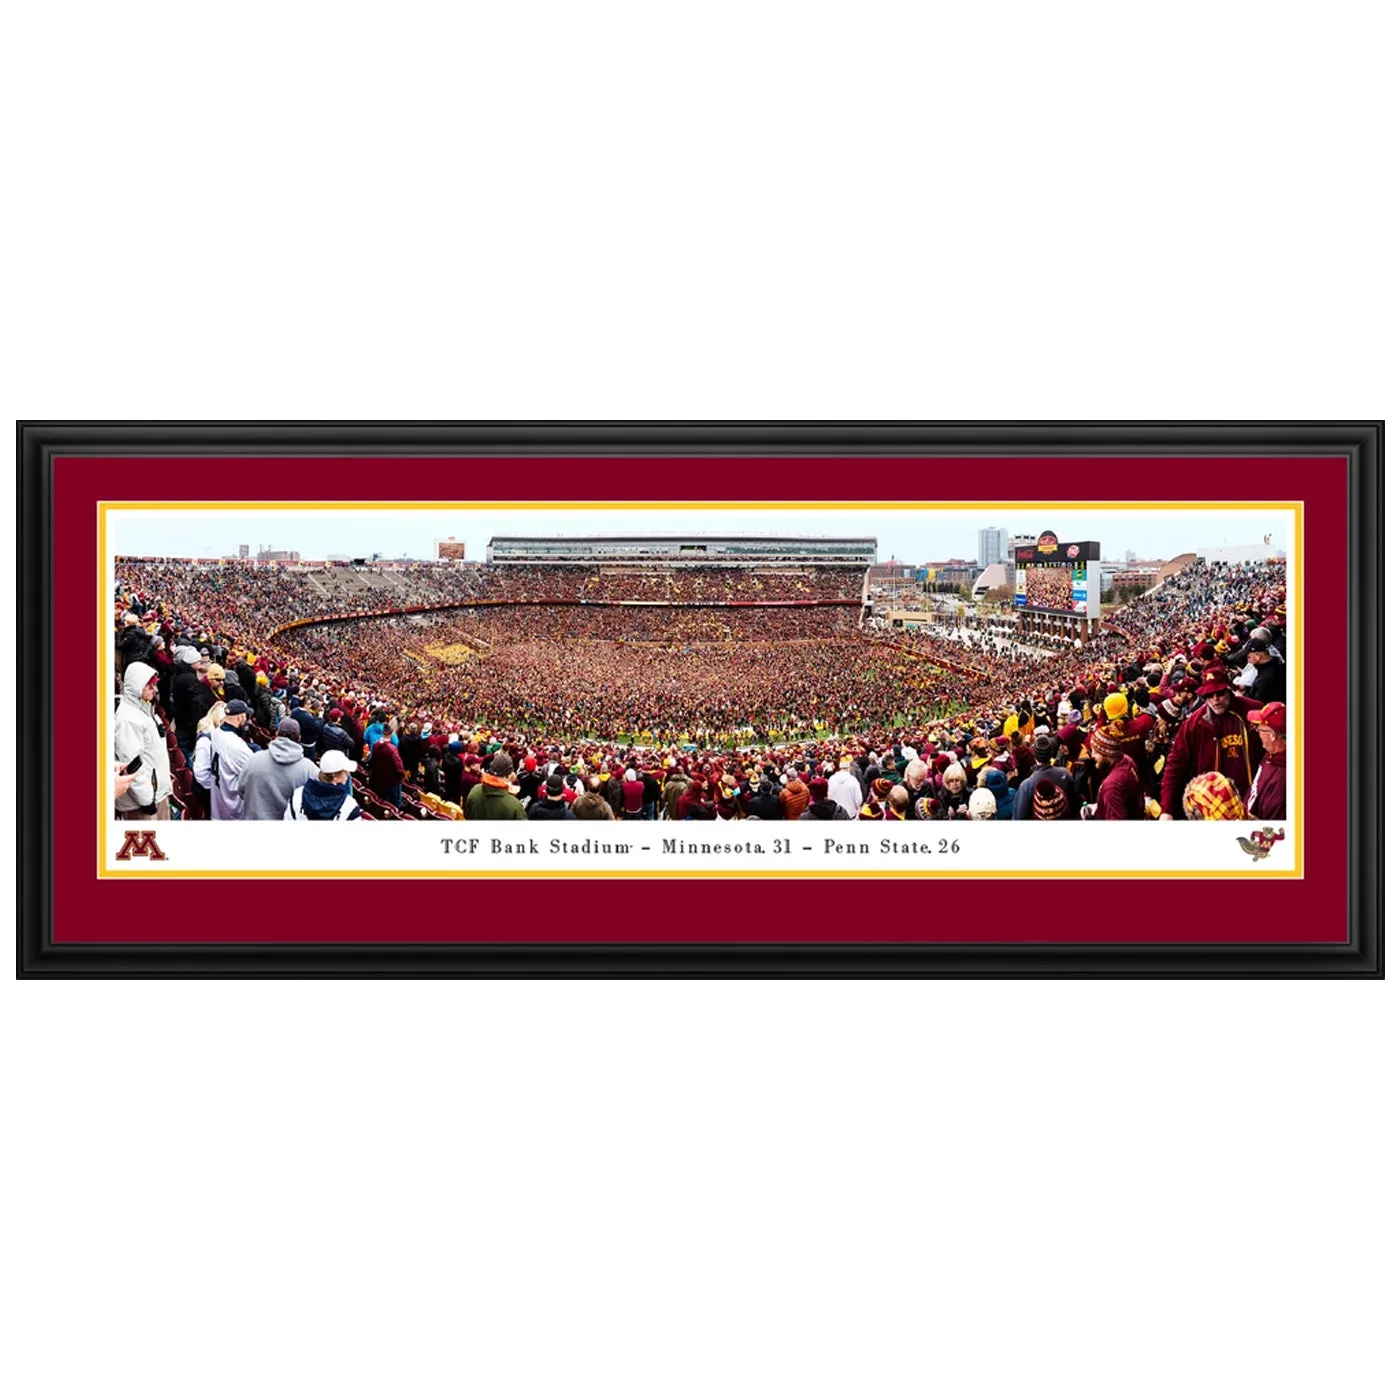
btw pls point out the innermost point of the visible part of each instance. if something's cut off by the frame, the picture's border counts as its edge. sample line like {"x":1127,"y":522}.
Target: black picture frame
{"x":1360,"y":442}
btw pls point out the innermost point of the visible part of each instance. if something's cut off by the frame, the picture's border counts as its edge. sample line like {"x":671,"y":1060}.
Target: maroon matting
{"x":676,"y":909}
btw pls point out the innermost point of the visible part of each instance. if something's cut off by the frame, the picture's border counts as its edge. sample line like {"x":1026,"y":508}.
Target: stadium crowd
{"x":567,"y":712}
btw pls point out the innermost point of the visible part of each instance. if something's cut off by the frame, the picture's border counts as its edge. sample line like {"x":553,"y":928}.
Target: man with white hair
{"x":138,"y":734}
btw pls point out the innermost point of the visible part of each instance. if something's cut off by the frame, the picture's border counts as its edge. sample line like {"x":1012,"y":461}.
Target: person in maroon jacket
{"x":1268,"y":796}
{"x":633,"y":790}
{"x":386,"y":771}
{"x":471,"y":776}
{"x":1120,"y":790}
{"x":1214,"y":738}
{"x":1136,"y":729}
{"x":695,"y":804}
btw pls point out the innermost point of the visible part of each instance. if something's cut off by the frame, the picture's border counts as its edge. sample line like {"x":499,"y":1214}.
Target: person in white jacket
{"x":137,"y":732}
{"x":843,"y":788}
{"x":220,"y":756}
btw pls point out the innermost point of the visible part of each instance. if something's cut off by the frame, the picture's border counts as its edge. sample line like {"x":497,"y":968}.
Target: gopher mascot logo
{"x":1260,"y":843}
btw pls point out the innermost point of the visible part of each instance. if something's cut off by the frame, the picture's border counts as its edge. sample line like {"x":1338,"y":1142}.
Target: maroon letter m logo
{"x":140,"y":843}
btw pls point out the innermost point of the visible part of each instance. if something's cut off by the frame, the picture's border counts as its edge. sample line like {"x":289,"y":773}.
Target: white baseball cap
{"x":333,"y":761}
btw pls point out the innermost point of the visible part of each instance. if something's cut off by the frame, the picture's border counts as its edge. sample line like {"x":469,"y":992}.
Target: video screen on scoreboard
{"x":451,"y":549}
{"x":1054,"y":588}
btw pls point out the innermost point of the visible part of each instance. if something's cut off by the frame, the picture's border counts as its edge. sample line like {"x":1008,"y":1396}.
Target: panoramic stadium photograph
{"x":393,"y":663}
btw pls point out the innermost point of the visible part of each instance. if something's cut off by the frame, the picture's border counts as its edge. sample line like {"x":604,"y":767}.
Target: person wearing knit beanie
{"x":1106,"y":743}
{"x":874,"y":809}
{"x":1115,"y":706}
{"x":1048,"y":802}
{"x":1120,"y":788}
{"x":994,"y":781}
{"x":982,"y":806}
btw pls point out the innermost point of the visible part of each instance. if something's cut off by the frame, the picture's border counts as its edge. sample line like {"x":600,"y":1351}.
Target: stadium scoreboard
{"x":1058,"y":578}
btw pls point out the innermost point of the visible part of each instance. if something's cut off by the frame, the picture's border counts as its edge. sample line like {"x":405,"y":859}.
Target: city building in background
{"x":957,"y":572}
{"x":991,"y":545}
{"x":243,"y":551}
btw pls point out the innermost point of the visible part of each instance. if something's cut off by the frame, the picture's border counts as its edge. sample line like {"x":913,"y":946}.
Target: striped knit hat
{"x":1048,"y":802}
{"x":1106,"y":742}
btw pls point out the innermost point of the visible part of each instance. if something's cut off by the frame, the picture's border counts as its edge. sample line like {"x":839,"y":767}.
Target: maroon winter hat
{"x":1048,"y":801}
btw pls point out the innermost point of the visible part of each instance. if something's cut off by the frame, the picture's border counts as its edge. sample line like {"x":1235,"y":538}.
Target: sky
{"x":913,"y":536}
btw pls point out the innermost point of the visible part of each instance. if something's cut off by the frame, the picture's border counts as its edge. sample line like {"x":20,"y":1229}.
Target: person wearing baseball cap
{"x":1213,"y":738}
{"x":328,"y":797}
{"x":551,"y":804}
{"x":1269,"y":792}
{"x":221,"y":753}
{"x":1266,"y":683}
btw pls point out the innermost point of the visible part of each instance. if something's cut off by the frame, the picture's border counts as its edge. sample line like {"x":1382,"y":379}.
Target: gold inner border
{"x":105,"y":663}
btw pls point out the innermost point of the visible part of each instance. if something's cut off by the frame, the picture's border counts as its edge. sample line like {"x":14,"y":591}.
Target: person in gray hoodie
{"x":272,"y":776}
